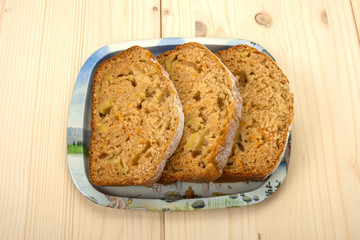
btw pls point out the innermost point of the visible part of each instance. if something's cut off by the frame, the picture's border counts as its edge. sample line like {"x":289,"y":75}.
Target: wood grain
{"x":43,"y":46}
{"x":316,"y":45}
{"x":355,"y":4}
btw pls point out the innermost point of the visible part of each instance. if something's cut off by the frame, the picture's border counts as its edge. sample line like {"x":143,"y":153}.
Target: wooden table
{"x":42,"y":47}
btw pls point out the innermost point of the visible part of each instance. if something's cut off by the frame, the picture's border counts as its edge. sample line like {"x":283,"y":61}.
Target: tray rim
{"x":226,"y":201}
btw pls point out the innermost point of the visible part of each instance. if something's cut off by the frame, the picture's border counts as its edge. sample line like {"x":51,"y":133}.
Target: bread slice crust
{"x":266,"y":117}
{"x":212,"y":106}
{"x":137,"y":120}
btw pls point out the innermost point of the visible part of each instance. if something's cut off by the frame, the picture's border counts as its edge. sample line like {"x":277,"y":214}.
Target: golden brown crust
{"x":220,"y":150}
{"x":230,"y":174}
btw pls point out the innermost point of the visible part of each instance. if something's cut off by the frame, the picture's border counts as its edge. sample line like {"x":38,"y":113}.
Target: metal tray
{"x":157,"y":197}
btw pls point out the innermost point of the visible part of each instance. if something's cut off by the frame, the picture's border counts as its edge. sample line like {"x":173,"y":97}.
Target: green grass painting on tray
{"x":77,"y":148}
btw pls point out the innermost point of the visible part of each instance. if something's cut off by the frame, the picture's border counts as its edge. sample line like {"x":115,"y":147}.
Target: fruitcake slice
{"x":266,"y":116}
{"x":137,"y":120}
{"x":211,"y":105}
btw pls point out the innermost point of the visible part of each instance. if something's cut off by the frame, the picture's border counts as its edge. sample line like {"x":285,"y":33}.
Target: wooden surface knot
{"x":166,"y":12}
{"x":263,"y":19}
{"x":155,"y":8}
{"x":324,"y":17}
{"x":200,"y":29}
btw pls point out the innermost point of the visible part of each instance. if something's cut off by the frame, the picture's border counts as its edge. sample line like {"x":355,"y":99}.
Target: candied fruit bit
{"x":105,"y":106}
{"x":169,"y":62}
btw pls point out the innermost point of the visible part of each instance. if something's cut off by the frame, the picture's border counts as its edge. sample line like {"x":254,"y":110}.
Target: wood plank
{"x":177,"y":14}
{"x":43,"y":45}
{"x":316,"y":45}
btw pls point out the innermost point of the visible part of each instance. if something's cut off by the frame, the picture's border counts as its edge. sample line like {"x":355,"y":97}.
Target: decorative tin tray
{"x":157,"y":197}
